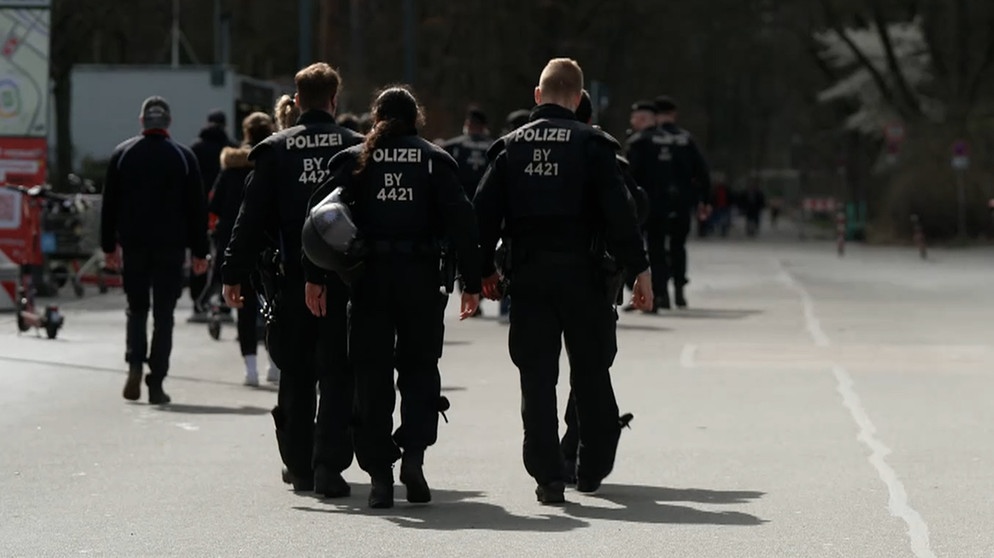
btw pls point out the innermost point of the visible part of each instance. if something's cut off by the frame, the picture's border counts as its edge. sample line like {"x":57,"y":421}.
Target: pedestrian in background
{"x":154,"y":207}
{"x":225,"y":202}
{"x":212,"y":140}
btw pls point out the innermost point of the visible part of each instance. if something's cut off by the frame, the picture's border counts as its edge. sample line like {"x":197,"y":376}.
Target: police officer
{"x":556,"y":183}
{"x":470,"y":149}
{"x":405,"y":198}
{"x":470,"y":152}
{"x":289,"y":166}
{"x":154,"y":207}
{"x":640,"y":200}
{"x":666,"y":162}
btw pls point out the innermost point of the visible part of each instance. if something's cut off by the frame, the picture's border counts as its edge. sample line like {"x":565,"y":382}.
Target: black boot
{"x":330,"y":484}
{"x":662,"y":301}
{"x":156,"y":396}
{"x":587,"y":484}
{"x":381,"y":491}
{"x":300,"y":484}
{"x":679,"y":298}
{"x":552,"y":493}
{"x":413,"y":476}
{"x":133,"y":385}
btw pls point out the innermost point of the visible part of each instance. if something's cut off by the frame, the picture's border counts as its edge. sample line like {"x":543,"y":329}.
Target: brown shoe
{"x":133,"y":386}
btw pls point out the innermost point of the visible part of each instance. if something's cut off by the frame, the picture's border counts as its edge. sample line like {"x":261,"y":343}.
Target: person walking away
{"x":556,"y":184}
{"x":289,"y":166}
{"x":225,"y":202}
{"x":406,"y":201}
{"x":570,"y":442}
{"x":666,"y":162}
{"x":722,"y":203}
{"x":212,"y":139}
{"x":753,"y":204}
{"x":154,"y":207}
{"x":470,"y":152}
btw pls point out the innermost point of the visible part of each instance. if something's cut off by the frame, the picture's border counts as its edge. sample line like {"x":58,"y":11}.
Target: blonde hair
{"x":287,"y":112}
{"x":562,"y":78}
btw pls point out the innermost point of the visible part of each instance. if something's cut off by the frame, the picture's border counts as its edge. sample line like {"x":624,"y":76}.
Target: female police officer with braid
{"x":405,"y":199}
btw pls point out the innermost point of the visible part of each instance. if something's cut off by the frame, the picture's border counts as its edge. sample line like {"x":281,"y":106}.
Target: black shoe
{"x":133,"y":385}
{"x":300,"y":484}
{"x":569,"y":472}
{"x":381,"y":493}
{"x":681,"y":301}
{"x":662,"y":302}
{"x":413,"y":477}
{"x":156,"y":396}
{"x":628,"y":308}
{"x":588,"y":485}
{"x":552,"y":493}
{"x":330,"y":484}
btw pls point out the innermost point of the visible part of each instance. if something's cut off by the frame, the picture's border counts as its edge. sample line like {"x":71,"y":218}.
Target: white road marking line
{"x":897,"y":504}
{"x":687,"y":356}
{"x":810,"y":318}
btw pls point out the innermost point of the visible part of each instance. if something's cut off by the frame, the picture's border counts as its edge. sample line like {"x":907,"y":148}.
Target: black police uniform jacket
{"x":153,"y":198}
{"x":407,"y":195}
{"x":289,"y":166}
{"x":556,"y":184}
{"x":666,"y":162}
{"x":470,"y":153}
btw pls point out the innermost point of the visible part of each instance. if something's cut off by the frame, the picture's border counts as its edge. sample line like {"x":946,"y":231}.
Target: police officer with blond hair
{"x":556,"y":185}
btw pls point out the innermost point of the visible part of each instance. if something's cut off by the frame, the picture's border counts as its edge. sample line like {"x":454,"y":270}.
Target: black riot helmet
{"x":330,"y":238}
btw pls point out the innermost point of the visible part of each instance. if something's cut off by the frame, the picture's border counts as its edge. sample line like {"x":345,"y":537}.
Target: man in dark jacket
{"x":212,"y":140}
{"x":154,"y":208}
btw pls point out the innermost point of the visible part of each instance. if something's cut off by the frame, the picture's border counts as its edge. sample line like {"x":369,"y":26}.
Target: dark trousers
{"x":198,"y":288}
{"x":570,"y":443}
{"x":552,"y":302}
{"x":396,"y":321}
{"x":667,"y":239}
{"x":248,"y":319}
{"x":313,"y":351}
{"x":153,"y":280}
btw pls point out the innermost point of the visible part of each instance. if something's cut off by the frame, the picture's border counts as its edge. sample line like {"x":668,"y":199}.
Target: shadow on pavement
{"x":643,"y":504}
{"x":641,"y":327}
{"x":187,"y":409}
{"x":456,"y":342}
{"x":123,"y":371}
{"x":709,"y":314}
{"x":450,"y":510}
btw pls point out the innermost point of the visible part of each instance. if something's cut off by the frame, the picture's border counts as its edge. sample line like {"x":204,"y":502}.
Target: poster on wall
{"x":24,"y":91}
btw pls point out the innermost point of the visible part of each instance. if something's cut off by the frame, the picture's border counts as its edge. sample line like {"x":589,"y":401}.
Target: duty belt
{"x":406,"y":247}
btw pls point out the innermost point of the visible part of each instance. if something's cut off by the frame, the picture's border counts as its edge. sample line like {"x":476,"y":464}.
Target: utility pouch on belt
{"x":502,"y":261}
{"x":608,"y":271}
{"x":447,"y":269}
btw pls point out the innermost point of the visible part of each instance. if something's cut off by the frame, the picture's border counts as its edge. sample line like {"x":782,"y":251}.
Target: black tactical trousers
{"x":556,"y":300}
{"x":667,"y":239}
{"x":396,"y":321}
{"x":313,"y":351}
{"x":153,"y":280}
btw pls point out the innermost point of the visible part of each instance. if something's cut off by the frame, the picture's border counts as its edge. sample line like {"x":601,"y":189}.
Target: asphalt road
{"x":806,"y":406}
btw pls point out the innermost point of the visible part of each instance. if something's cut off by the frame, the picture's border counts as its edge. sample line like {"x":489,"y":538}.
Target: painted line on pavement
{"x":897,"y":503}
